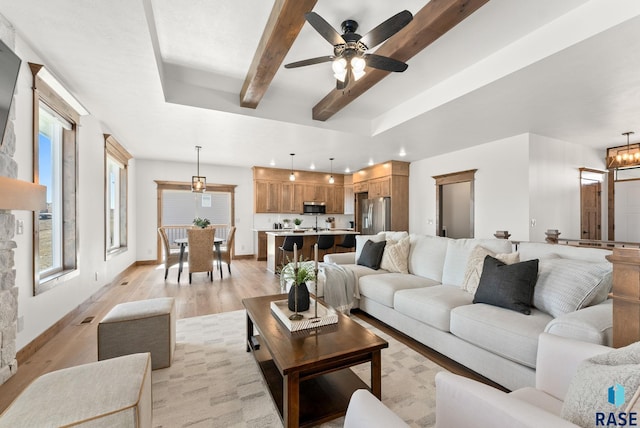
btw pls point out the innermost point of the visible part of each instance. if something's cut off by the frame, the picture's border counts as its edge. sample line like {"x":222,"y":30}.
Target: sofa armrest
{"x":593,"y":324}
{"x":462,"y":402}
{"x":340,"y":258}
{"x":366,"y":411}
{"x":557,"y":362}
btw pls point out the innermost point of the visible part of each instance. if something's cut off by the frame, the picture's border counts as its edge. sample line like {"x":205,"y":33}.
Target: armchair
{"x":463,"y":402}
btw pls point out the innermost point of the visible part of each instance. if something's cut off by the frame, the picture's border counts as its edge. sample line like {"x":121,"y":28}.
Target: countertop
{"x":311,"y":232}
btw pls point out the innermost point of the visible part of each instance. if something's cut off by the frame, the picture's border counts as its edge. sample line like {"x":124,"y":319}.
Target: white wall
{"x":42,"y":311}
{"x":501,"y":184}
{"x":554,"y":191}
{"x":147,"y":218}
{"x":627,"y":211}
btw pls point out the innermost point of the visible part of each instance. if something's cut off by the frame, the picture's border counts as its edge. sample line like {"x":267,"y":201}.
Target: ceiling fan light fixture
{"x":339,"y":67}
{"x":357,"y":66}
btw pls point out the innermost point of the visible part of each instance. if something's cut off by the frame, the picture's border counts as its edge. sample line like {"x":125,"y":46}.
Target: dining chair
{"x":201,"y":251}
{"x":226,"y":250}
{"x":169,"y":256}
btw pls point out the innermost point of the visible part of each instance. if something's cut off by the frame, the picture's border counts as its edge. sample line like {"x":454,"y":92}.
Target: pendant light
{"x":198,"y":182}
{"x":331,"y":180}
{"x":292,"y":176}
{"x":628,"y":156}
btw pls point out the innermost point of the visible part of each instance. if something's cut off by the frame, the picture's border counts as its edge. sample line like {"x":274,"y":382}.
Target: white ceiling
{"x":165,"y":75}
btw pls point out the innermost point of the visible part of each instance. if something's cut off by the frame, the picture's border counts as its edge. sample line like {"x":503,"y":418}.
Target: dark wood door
{"x":590,"y":217}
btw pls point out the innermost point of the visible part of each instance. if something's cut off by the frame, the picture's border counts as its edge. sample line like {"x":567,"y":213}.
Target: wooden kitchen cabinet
{"x":361,"y":187}
{"x":335,"y":199}
{"x":267,"y":196}
{"x":380,"y":187}
{"x":292,"y":198}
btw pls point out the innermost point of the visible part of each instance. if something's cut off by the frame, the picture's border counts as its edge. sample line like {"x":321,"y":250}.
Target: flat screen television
{"x":9,"y":69}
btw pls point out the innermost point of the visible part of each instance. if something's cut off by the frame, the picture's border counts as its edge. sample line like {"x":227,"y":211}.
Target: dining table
{"x":184,"y":242}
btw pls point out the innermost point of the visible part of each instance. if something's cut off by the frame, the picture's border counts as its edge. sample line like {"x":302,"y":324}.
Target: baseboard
{"x":245,"y":257}
{"x":146,"y":262}
{"x":32,"y":347}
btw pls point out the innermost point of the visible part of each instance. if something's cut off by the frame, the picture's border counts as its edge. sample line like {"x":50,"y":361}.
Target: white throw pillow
{"x":476,"y":262}
{"x":396,"y":256}
{"x":589,"y":393}
{"x":566,"y":285}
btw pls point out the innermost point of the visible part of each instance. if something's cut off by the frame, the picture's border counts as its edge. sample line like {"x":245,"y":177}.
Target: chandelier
{"x":624,"y":156}
{"x":198,"y":182}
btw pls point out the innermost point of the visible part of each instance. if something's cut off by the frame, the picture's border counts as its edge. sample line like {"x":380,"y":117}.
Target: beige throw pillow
{"x":396,"y":256}
{"x":476,"y":262}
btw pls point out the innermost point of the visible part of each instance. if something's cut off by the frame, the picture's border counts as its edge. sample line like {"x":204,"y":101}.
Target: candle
{"x":295,"y":256}
{"x":315,"y":252}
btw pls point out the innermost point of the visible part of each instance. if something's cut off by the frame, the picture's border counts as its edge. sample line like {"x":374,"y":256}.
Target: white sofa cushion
{"x":476,"y":263}
{"x":566,"y":285}
{"x":458,"y":252}
{"x":431,"y":305}
{"x":361,"y":271}
{"x":426,"y":256}
{"x":395,"y":236}
{"x":507,"y":333}
{"x":382,"y":288}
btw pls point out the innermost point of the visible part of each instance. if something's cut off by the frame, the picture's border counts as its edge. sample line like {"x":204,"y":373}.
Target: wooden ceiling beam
{"x":432,"y":21}
{"x":284,"y":24}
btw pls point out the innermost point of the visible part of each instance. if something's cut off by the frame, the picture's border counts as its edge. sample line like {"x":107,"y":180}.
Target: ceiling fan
{"x":349,"y":49}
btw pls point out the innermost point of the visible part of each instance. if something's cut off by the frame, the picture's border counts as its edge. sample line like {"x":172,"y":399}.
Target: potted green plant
{"x":298,"y":280}
{"x":297,"y":222}
{"x":286,"y":223}
{"x":201,"y":222}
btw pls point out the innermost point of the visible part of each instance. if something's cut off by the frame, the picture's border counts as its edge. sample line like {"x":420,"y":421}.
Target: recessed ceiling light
{"x":402,"y":153}
{"x":370,"y":162}
{"x":347,"y":170}
{"x":272,"y":163}
{"x":312,"y":166}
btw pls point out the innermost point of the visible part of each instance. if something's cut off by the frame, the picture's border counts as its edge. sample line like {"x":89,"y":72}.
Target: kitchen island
{"x":310,"y":236}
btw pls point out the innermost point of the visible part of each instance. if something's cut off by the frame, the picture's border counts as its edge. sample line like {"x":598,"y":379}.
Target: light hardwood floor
{"x":77,"y":343}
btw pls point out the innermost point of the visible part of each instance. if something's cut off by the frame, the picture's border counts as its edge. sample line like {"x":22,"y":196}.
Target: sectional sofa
{"x":431,"y":302}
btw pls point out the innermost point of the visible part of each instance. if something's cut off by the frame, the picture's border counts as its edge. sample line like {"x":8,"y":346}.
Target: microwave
{"x":314,"y":208}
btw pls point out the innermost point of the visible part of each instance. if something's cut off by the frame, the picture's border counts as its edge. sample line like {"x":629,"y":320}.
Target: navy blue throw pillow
{"x":507,"y":286}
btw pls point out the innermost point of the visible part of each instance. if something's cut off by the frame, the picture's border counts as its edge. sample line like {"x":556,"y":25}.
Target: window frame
{"x":43,"y":93}
{"x":115,"y":151}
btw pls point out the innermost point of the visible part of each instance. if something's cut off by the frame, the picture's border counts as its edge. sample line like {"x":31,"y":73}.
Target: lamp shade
{"x":198,"y":184}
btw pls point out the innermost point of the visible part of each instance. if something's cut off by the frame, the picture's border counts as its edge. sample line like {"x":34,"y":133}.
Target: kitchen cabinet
{"x":380,"y":187}
{"x":361,"y":187}
{"x":274,"y":193}
{"x":262,"y":246}
{"x":348,"y":200}
{"x":267,"y":196}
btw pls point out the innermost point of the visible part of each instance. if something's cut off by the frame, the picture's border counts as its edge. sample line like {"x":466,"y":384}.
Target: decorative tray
{"x":326,"y":315}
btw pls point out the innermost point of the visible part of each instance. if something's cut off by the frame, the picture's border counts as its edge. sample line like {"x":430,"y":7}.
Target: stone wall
{"x":8,"y":288}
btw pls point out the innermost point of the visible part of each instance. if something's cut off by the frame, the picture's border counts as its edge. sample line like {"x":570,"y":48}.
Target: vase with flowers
{"x":201,"y":222}
{"x":298,"y":274}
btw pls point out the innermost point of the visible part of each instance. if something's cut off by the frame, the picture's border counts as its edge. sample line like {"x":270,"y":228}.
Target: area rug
{"x":214,"y":382}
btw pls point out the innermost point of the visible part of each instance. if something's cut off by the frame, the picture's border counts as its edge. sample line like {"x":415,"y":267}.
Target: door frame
{"x":586,"y":174}
{"x":452,"y":178}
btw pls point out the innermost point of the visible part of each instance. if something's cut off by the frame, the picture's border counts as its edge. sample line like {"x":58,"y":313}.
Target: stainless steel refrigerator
{"x":376,"y":215}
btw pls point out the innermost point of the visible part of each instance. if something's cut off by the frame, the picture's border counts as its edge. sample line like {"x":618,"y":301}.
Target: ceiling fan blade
{"x":323,"y":27}
{"x":387,"y":29}
{"x":310,"y":61}
{"x":385,"y":63}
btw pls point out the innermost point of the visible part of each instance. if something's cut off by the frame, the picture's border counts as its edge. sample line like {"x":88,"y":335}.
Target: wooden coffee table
{"x":308,"y":371}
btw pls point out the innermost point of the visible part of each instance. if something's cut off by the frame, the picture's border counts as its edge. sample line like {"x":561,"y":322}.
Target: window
{"x":178,"y":206}
{"x":116,"y":160}
{"x":55,"y":166}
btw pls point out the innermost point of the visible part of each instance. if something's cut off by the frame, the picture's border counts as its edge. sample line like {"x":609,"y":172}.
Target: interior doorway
{"x":591,"y":203}
{"x":455,"y":204}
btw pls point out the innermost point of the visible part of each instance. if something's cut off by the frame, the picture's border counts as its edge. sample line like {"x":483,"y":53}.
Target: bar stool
{"x":287,"y":246}
{"x":348,"y":243}
{"x":325,"y":242}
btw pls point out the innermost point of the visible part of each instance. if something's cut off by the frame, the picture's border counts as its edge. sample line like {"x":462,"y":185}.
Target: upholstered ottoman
{"x":140,"y":326}
{"x":111,"y":393}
